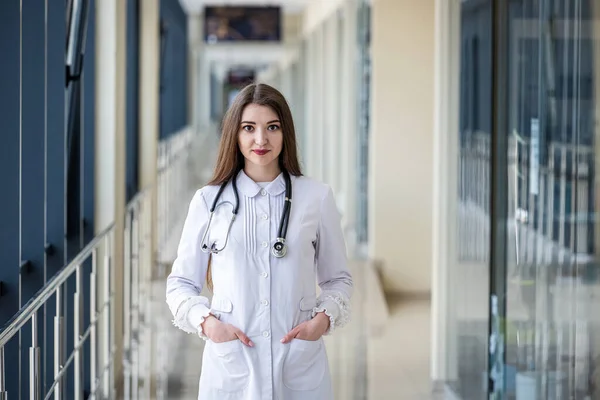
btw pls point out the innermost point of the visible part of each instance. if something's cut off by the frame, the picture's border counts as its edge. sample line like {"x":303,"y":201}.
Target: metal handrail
{"x":12,"y":327}
{"x":136,"y":199}
{"x":156,"y":207}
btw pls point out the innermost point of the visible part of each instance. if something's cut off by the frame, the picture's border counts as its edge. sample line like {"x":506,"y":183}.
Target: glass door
{"x":545,"y":280}
{"x":469,"y":247}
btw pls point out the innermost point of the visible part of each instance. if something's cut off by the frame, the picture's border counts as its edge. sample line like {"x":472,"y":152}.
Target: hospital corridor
{"x":405,"y":188}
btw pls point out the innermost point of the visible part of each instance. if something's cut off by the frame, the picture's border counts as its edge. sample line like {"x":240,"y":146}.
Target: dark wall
{"x":173,"y":68}
{"x":47,"y":162}
{"x":10,"y":212}
{"x":47,"y":154}
{"x":32,"y":160}
{"x":132,"y":181}
{"x":476,"y":67}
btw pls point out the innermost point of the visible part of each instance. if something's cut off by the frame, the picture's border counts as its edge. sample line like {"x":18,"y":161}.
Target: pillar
{"x":401,"y":143}
{"x":110,"y":161}
{"x":444,"y":344}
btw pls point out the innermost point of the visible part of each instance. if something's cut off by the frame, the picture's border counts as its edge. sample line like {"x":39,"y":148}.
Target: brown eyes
{"x":250,"y":128}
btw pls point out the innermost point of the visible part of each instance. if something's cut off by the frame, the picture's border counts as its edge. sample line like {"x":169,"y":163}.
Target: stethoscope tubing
{"x":279,"y":248}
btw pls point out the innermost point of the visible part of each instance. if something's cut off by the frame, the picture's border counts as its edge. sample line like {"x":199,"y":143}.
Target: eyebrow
{"x":254,"y":123}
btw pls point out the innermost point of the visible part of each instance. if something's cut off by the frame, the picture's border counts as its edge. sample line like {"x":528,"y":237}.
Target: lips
{"x":261,"y":152}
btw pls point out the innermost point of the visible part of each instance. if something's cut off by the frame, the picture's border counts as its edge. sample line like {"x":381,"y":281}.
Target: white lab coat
{"x":263,"y":295}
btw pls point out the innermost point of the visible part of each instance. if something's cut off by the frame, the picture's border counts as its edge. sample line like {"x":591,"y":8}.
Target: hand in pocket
{"x":220,"y":332}
{"x":309,"y":330}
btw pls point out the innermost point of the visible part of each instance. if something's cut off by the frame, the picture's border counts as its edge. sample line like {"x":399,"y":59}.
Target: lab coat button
{"x":265,"y":217}
{"x":266,"y":333}
{"x":265,"y":244}
{"x":265,"y":302}
{"x":264,"y":274}
{"x":263,"y":192}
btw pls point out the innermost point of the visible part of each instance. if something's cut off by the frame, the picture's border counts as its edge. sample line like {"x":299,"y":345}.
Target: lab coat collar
{"x":250,"y":188}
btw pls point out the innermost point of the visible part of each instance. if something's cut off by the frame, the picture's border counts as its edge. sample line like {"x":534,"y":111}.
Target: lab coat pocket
{"x":230,"y":372}
{"x":222,"y":307}
{"x":304,"y":365}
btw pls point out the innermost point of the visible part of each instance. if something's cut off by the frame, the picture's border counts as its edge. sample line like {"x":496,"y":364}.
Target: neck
{"x":259,"y":173}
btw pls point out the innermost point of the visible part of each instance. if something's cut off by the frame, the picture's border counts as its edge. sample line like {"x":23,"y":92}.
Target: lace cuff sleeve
{"x":337,"y":307}
{"x":191,"y":314}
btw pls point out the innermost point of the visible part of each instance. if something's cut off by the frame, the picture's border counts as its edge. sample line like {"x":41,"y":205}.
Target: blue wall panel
{"x":80,"y":144}
{"x":89,"y":68}
{"x":89,"y":100}
{"x":9,"y":165}
{"x":33,"y":151}
{"x":173,"y":68}
{"x":9,"y":156}
{"x":55,"y":168}
{"x":32,"y":163}
{"x":32,"y":160}
{"x":132,"y":127}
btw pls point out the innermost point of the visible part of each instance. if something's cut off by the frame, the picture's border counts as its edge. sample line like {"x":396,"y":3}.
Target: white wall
{"x":401,"y":143}
{"x":401,"y":136}
{"x":317,"y":12}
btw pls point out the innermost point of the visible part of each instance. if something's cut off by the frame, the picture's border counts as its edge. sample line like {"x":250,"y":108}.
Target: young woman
{"x":262,"y":236}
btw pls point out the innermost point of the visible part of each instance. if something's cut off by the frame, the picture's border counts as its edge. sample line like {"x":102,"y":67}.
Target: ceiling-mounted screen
{"x":239,"y":24}
{"x":240,"y":76}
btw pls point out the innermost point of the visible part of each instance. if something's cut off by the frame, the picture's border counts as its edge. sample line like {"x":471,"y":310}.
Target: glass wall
{"x":469,"y":269}
{"x":552,"y":334}
{"x":525,"y":284}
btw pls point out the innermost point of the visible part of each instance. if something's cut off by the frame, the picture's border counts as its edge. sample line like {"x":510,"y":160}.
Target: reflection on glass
{"x":469,"y":277}
{"x":552,"y":330}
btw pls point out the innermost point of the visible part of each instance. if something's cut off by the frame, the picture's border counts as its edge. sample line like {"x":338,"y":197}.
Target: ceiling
{"x":196,"y":6}
{"x":223,"y":55}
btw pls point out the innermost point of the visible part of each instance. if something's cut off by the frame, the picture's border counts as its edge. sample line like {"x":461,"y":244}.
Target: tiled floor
{"x":398,"y":359}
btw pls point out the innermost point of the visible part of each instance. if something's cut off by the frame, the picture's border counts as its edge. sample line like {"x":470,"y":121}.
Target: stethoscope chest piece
{"x":279,"y":249}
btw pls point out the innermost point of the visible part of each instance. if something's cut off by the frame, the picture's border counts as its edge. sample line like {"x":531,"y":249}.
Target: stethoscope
{"x":279,"y":248}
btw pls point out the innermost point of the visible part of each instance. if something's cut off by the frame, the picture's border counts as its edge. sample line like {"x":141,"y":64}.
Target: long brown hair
{"x":230,"y":159}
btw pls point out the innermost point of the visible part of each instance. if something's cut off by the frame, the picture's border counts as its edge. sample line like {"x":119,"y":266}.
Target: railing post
{"x":58,"y":341}
{"x":77,"y":319}
{"x":34,"y":361}
{"x":135,"y":304}
{"x":106,"y":322}
{"x":3,"y":393}
{"x":145,"y":349}
{"x":113,"y":317}
{"x":127,"y":310}
{"x":94,"y":324}
{"x":145,"y":214}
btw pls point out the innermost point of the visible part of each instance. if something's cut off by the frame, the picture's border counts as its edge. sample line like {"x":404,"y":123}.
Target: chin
{"x":262,"y":161}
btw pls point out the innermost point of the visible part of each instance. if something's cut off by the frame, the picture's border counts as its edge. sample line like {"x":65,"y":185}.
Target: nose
{"x":260,"y":137}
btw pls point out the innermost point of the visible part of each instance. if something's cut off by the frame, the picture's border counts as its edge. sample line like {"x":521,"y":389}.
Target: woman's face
{"x":260,"y":136}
